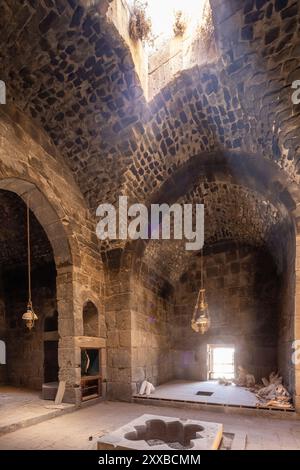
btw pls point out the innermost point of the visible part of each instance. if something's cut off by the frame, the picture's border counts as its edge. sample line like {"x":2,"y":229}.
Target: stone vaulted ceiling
{"x":67,"y":67}
{"x":259,"y":224}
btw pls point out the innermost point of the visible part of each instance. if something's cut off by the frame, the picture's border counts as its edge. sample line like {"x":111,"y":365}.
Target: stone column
{"x":68,"y":357}
{"x":118,"y":321}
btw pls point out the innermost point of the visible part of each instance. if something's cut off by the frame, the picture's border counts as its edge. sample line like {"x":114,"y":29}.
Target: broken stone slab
{"x":155,"y":432}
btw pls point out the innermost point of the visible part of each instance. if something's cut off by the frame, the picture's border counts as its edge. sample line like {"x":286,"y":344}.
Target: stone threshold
{"x":26,"y":422}
{"x":57,"y":411}
{"x":218,"y":407}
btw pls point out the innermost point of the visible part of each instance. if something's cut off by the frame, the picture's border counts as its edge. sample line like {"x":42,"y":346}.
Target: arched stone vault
{"x":249,"y":202}
{"x":68,"y":70}
{"x":246,"y":199}
{"x":73,"y":73}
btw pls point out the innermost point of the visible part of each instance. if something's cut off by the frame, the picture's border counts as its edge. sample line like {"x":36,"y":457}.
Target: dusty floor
{"x":19,"y":406}
{"x":79,"y":430}
{"x":221,"y":394}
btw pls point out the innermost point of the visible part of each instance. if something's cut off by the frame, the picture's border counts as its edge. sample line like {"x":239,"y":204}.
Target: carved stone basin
{"x":165,"y":433}
{"x":175,"y":433}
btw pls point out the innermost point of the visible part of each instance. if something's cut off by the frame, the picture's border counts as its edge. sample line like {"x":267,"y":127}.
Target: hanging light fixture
{"x":29,"y":316}
{"x":201,"y":319}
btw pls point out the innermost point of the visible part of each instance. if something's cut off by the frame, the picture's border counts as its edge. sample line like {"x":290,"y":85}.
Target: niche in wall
{"x":90,"y":320}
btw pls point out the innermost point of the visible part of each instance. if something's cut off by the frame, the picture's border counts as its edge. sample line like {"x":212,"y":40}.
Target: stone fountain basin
{"x":155,"y":432}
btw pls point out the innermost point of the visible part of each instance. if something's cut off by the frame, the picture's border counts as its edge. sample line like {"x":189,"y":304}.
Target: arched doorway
{"x":51,"y":275}
{"x":24,"y":365}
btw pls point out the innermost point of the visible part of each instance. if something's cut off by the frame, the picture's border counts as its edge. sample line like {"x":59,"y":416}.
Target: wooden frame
{"x":91,"y":385}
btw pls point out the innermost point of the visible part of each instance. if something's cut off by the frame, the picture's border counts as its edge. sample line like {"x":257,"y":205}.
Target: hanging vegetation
{"x":180,"y":24}
{"x":140,"y":26}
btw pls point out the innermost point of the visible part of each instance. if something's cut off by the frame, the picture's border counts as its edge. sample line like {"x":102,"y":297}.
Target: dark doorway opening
{"x":50,"y":361}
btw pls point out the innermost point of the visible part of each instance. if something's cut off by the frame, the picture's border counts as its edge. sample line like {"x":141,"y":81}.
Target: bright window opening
{"x":220,"y":362}
{"x":162,"y":14}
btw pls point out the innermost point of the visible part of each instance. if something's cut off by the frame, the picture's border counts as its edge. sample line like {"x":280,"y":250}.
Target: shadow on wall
{"x":90,"y":320}
{"x":243,"y":291}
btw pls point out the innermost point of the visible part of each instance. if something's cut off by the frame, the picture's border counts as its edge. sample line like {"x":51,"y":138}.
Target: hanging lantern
{"x":29,"y":316}
{"x":201,"y":319}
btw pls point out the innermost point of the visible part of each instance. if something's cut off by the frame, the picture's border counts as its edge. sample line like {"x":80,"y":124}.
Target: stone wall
{"x":3,"y":368}
{"x":139,"y":305}
{"x":31,"y":165}
{"x":242,"y":291}
{"x":181,"y":53}
{"x":151,"y":313}
{"x":297,"y":324}
{"x":90,"y":320}
{"x":70,"y":73}
{"x":287,"y":331}
{"x":25,"y":350}
{"x":118,"y":321}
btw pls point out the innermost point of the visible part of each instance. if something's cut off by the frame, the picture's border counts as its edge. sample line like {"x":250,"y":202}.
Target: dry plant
{"x":180,"y":24}
{"x":205,"y":30}
{"x":140,"y":26}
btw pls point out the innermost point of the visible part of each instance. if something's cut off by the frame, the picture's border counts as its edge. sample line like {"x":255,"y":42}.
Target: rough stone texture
{"x":257,"y":222}
{"x":90,"y":320}
{"x":151,"y":310}
{"x":77,"y":79}
{"x":262,"y":432}
{"x":118,"y":321}
{"x":25,"y":350}
{"x":243,"y":292}
{"x":79,"y":131}
{"x":27,"y":164}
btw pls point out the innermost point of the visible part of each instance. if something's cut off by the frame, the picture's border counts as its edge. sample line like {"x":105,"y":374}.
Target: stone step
{"x":217,"y":407}
{"x":58,"y":410}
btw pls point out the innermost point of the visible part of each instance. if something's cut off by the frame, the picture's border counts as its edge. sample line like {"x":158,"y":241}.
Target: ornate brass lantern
{"x":201,"y":319}
{"x":29,"y":316}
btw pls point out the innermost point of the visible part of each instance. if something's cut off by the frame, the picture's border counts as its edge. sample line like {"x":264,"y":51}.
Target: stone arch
{"x":246,"y":169}
{"x":271,"y":184}
{"x":53,"y":221}
{"x":45,"y":214}
{"x":249,"y":171}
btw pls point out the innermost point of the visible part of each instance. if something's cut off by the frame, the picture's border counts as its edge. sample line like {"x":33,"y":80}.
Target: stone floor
{"x":80,"y":430}
{"x":22,"y":407}
{"x":221,"y":394}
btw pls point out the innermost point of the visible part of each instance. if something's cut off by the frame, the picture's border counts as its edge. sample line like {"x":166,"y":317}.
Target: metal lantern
{"x":29,"y":316}
{"x":201,"y":319}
